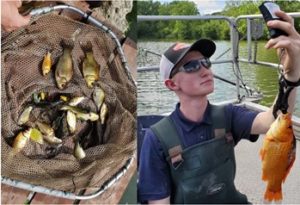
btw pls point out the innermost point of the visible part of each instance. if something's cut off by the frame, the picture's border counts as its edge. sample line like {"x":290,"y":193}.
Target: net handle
{"x":68,"y":195}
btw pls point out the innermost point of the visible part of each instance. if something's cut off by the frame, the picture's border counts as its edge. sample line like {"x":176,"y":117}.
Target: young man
{"x":188,"y":157}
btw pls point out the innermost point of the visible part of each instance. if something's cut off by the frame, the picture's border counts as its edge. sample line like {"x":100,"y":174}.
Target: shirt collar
{"x":187,"y":124}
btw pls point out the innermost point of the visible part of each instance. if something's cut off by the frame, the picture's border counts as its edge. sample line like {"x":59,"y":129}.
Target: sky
{"x":206,"y":6}
{"x":209,"y":6}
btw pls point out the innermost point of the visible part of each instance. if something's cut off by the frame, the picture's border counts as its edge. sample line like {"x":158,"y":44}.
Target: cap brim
{"x":205,"y":46}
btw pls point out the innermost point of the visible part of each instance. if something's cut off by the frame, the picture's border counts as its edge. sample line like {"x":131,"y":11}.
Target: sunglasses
{"x":193,"y":66}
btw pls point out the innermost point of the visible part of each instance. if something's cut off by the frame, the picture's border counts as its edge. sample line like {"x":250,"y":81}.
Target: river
{"x":154,"y":98}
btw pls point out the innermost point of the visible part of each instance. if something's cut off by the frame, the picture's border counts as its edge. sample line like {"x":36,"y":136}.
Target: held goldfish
{"x":278,"y":154}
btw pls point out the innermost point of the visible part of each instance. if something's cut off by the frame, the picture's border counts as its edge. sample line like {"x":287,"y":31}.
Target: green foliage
{"x":132,"y":27}
{"x":147,"y":29}
{"x":236,"y":8}
{"x":167,"y":29}
{"x":291,"y":6}
{"x":214,"y":29}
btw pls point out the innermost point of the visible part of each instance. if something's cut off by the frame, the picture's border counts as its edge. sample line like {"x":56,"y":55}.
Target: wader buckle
{"x":175,"y":156}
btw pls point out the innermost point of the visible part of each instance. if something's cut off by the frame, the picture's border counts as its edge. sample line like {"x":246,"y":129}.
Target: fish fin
{"x":262,"y":154}
{"x":67,"y":43}
{"x":87,"y":47}
{"x":270,"y":195}
{"x":289,"y":167}
{"x":264,"y":176}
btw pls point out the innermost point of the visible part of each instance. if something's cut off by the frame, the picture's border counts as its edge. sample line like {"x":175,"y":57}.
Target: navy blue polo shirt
{"x":154,"y":176}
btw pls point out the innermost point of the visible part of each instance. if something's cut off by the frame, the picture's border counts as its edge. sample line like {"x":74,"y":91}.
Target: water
{"x":155,"y":98}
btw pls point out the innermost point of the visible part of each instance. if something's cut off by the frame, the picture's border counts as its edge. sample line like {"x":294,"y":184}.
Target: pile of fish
{"x":65,"y":111}
{"x":64,"y":68}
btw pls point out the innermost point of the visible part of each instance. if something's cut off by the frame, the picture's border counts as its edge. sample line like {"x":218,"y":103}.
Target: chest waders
{"x":205,"y":172}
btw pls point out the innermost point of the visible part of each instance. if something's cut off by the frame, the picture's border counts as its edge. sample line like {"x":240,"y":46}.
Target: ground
{"x":248,"y":175}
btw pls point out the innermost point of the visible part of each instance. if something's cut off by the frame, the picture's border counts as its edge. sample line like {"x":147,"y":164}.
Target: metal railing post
{"x":234,"y":39}
{"x":249,"y":39}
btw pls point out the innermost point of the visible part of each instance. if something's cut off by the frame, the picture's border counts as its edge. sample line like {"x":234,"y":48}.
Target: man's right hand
{"x":290,"y":44}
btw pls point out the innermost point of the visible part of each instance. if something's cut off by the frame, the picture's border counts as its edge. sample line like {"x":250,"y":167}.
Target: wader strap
{"x":167,"y":134}
{"x":220,"y":126}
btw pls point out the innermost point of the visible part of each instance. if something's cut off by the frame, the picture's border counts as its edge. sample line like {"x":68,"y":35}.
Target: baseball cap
{"x":178,"y":50}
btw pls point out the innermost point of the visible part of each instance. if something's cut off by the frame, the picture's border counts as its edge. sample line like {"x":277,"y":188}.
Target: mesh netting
{"x":22,"y":55}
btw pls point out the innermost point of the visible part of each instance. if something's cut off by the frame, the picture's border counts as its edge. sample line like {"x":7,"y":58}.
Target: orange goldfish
{"x":278,"y":154}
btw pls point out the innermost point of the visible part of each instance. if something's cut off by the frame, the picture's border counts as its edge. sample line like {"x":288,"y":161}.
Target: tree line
{"x":214,"y":29}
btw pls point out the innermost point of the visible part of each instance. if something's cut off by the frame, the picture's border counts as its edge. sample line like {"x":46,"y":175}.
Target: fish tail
{"x":270,"y":195}
{"x":87,"y":47}
{"x":262,"y":154}
{"x":67,"y":43}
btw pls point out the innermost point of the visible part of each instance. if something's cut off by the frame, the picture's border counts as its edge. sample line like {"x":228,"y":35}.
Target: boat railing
{"x":234,"y":39}
{"x":250,"y":24}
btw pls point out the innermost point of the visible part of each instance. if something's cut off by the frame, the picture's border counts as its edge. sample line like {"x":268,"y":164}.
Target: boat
{"x":250,"y":170}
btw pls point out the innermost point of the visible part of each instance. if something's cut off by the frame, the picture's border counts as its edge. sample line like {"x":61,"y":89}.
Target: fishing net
{"x":55,"y":166}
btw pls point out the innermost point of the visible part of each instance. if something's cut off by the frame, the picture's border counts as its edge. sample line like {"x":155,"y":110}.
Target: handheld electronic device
{"x":268,"y":9}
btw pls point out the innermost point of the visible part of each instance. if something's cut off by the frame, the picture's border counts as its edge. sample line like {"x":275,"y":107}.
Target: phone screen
{"x":272,"y":8}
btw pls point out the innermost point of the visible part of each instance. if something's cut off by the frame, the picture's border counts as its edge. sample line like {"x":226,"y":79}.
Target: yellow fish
{"x":278,"y":154}
{"x":20,"y":141}
{"x":90,"y":67}
{"x":47,"y":64}
{"x":64,"y":69}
